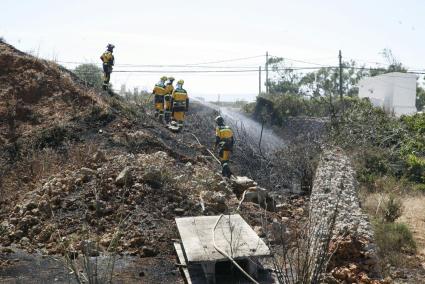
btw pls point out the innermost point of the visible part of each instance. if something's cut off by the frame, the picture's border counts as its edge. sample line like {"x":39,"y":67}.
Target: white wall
{"x":395,"y":92}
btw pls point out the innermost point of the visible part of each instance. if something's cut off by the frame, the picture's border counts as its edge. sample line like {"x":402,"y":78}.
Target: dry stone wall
{"x":335,"y":206}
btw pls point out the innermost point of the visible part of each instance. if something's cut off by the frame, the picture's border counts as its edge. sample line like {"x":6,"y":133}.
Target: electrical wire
{"x":299,"y":61}
{"x":194,"y":65}
{"x":226,"y":60}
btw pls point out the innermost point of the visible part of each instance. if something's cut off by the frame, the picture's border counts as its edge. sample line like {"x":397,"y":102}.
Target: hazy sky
{"x":195,"y":31}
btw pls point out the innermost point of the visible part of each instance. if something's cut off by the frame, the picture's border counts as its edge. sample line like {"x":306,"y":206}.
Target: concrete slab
{"x":232,"y":234}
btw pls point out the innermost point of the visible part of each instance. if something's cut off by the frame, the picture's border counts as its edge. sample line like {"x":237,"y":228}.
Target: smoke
{"x":246,"y":126}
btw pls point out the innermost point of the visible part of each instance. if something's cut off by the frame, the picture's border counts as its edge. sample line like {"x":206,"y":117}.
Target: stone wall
{"x":335,"y":206}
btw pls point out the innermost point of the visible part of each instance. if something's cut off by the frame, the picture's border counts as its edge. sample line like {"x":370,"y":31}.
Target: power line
{"x":210,"y":71}
{"x":299,"y":61}
{"x":226,"y":60}
{"x":193,"y":65}
{"x":162,"y":66}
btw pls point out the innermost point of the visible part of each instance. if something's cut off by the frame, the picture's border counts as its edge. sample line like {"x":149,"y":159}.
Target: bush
{"x":416,"y":168}
{"x":91,"y":74}
{"x":419,"y":187}
{"x":372,"y":163}
{"x":393,"y":239}
{"x":276,"y":108}
{"x":393,"y":209}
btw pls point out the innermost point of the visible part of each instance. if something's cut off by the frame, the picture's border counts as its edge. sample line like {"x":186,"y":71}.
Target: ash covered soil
{"x":83,"y":171}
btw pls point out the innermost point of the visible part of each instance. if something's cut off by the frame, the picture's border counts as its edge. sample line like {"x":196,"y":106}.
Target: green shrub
{"x":393,"y":239}
{"x":91,"y":74}
{"x":415,"y":123}
{"x":393,"y":209}
{"x":419,"y":187}
{"x":416,"y":168}
{"x":371,"y":164}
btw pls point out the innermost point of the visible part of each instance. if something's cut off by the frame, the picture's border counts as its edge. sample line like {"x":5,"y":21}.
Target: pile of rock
{"x":249,"y":190}
{"x":145,"y":190}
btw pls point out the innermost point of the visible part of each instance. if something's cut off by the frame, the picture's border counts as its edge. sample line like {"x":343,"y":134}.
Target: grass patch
{"x":393,"y":240}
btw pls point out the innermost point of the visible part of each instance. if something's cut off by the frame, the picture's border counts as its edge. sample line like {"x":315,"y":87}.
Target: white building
{"x":395,"y":92}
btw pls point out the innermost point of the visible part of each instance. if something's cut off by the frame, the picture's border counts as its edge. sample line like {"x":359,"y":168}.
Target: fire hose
{"x":218,"y":220}
{"x":209,"y":151}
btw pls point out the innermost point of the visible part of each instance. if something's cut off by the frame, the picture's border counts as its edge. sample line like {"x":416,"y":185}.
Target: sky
{"x":189,"y":32}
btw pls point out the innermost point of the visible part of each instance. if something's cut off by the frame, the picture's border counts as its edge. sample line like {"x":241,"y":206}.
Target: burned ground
{"x":79,"y":166}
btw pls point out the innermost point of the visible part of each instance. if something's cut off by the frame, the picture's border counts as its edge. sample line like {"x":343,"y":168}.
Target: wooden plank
{"x":232,"y":234}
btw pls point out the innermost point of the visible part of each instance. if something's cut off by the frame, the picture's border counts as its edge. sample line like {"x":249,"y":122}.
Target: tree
{"x":91,"y":74}
{"x":393,"y":64}
{"x":325,"y":81}
{"x":420,"y":98}
{"x":286,"y":80}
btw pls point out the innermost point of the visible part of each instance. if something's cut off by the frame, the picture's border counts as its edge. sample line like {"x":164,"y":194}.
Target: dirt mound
{"x":37,"y":94}
{"x":134,"y":196}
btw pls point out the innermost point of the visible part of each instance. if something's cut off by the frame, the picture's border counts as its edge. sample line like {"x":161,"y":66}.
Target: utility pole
{"x":340,"y":79}
{"x":259,"y":80}
{"x":267,"y":72}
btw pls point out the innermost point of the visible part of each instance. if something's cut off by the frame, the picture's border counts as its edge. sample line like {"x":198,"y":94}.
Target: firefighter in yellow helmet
{"x":108,"y":61}
{"x":224,"y":142}
{"x":179,"y":104}
{"x":169,"y":88}
{"x":159,"y":92}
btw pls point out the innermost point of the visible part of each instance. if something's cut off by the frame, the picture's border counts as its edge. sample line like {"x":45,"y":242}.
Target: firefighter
{"x":179,"y":104}
{"x":108,"y":61}
{"x":159,"y":92}
{"x":169,"y":88}
{"x":224,"y":142}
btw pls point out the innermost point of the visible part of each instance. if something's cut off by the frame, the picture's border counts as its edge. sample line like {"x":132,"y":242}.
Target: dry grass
{"x":413,"y":213}
{"x":414,"y":216}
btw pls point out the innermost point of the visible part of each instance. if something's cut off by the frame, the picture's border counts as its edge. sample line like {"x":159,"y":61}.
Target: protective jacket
{"x":180,"y":100}
{"x":107,"y":58}
{"x":167,"y":98}
{"x":159,"y":89}
{"x":224,"y":137}
{"x":169,"y":89}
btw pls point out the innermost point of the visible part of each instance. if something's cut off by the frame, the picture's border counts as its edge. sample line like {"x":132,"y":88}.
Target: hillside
{"x":81,"y":168}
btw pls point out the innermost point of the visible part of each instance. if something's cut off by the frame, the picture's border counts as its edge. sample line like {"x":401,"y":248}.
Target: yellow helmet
{"x":164,"y":78}
{"x":171,"y":79}
{"x":181,"y":82}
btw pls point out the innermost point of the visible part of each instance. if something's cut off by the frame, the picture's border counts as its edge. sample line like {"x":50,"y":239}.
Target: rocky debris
{"x":135,"y":197}
{"x":248,"y":189}
{"x":154,"y":177}
{"x":335,"y":211}
{"x":99,"y":157}
{"x":87,"y":174}
{"x":256,"y":194}
{"x":148,"y":251}
{"x":124,"y":177}
{"x":240,"y":184}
